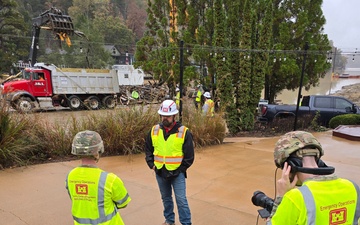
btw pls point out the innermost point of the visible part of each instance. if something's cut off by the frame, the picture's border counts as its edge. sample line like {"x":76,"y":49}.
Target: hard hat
{"x":299,"y":142}
{"x":87,"y":143}
{"x":177,"y":89}
{"x":168,"y":108}
{"x":207,"y":95}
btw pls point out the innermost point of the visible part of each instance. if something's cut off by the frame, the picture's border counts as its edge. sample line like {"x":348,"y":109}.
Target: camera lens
{"x":260,"y":199}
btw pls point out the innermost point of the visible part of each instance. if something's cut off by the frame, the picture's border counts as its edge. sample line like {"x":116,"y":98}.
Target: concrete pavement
{"x":220,"y":184}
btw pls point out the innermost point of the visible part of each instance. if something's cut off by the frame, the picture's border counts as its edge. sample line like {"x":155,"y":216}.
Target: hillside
{"x":351,"y":92}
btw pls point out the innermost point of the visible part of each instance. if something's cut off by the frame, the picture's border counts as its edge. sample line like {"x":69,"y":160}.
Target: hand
{"x":283,"y":184}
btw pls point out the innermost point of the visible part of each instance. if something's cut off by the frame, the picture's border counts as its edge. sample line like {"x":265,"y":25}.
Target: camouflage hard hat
{"x":87,"y":143}
{"x":294,"y":141}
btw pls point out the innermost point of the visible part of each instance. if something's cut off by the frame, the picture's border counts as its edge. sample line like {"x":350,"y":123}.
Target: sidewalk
{"x":220,"y":184}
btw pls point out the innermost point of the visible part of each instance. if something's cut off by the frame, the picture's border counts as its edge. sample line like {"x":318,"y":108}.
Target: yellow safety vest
{"x":95,"y":196}
{"x":198,"y":96}
{"x":177,"y":99}
{"x":211,"y":107}
{"x":320,"y":202}
{"x":169,"y":152}
{"x":135,"y":95}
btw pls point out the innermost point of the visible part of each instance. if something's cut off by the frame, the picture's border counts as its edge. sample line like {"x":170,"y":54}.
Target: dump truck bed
{"x":82,"y":81}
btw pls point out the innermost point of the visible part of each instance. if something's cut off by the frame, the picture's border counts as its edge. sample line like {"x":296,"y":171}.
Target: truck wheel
{"x":93,"y":103}
{"x":109,"y":102}
{"x":75,"y":102}
{"x":24,"y":105}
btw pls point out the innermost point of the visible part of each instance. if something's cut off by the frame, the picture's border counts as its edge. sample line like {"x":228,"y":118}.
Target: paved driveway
{"x":220,"y":184}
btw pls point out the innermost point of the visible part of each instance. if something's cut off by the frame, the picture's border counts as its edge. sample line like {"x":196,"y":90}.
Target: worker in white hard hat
{"x":170,"y":152}
{"x":96,"y":195}
{"x":177,"y":97}
{"x":209,"y":105}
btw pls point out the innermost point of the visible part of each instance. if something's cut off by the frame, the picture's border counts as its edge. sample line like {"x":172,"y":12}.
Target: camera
{"x":260,"y":199}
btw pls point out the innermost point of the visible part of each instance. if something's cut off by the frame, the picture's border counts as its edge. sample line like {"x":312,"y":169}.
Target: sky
{"x":343,"y":23}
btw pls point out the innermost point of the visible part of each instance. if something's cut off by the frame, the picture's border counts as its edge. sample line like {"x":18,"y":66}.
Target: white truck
{"x":128,"y":75}
{"x":44,"y":86}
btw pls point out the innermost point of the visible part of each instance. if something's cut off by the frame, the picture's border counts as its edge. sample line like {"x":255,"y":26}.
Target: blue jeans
{"x":179,"y":185}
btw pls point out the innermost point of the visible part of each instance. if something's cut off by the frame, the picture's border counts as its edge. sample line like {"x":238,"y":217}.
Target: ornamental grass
{"x":27,"y":139}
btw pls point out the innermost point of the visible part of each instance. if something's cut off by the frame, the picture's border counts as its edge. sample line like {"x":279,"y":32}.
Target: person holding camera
{"x":322,"y":198}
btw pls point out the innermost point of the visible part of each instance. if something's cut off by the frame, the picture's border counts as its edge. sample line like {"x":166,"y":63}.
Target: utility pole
{"x":334,"y":63}
{"x":181,"y":77}
{"x":301,"y":83}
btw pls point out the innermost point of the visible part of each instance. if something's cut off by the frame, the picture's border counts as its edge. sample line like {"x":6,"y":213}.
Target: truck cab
{"x":35,"y":82}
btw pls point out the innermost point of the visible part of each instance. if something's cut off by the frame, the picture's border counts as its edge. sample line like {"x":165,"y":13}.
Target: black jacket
{"x":188,"y":150}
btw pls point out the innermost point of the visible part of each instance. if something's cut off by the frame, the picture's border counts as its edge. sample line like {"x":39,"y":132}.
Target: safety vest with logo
{"x":210,"y":108}
{"x":332,"y":202}
{"x":168,"y":152}
{"x":95,"y":196}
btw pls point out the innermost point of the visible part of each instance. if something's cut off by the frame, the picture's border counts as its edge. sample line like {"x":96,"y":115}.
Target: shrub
{"x":28,"y":139}
{"x":346,"y":119}
{"x":205,"y":130}
{"x":18,"y":145}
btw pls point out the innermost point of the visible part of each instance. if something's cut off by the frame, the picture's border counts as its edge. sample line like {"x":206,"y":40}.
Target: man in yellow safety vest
{"x":322,"y":198}
{"x":96,"y":195}
{"x":177,"y":97}
{"x":209,"y":105}
{"x":197,"y":95}
{"x":169,"y":152}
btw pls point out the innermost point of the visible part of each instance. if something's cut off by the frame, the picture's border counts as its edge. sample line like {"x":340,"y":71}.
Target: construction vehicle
{"x":55,"y":21}
{"x":128,"y":75}
{"x":47,"y":86}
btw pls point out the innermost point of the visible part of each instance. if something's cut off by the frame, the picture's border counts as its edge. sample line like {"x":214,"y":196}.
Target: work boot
{"x":165,"y":223}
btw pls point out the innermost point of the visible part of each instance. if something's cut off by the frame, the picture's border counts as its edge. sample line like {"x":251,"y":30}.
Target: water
{"x":327,"y":86}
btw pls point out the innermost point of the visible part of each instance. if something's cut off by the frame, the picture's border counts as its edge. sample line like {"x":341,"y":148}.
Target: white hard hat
{"x":87,"y":143}
{"x":168,"y":108}
{"x":207,"y":95}
{"x":177,"y":89}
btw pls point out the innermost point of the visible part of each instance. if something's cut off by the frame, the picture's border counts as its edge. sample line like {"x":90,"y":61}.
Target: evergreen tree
{"x":12,"y":35}
{"x":297,"y":22}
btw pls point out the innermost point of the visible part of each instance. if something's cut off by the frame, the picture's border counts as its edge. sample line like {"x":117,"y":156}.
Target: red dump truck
{"x":44,"y":86}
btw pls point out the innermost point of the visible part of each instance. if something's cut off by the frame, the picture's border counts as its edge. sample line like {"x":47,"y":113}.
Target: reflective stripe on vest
{"x":161,"y":147}
{"x":310,"y":204}
{"x":102,"y":217}
{"x":357,"y":212}
{"x":180,"y":133}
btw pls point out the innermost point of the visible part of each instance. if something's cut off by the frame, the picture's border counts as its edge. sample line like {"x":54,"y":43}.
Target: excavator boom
{"x":54,"y":20}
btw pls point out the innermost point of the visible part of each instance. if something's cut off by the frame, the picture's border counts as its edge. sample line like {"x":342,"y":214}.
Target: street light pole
{"x":301,"y":83}
{"x":181,"y":77}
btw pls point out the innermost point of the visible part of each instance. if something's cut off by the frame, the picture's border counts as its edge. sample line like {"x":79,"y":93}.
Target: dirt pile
{"x":351,"y":92}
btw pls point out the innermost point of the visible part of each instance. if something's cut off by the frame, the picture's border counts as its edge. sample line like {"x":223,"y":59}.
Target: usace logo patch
{"x":81,"y":189}
{"x":337,"y":216}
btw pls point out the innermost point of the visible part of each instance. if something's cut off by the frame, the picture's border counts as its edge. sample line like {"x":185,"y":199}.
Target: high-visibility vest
{"x":135,"y":95}
{"x":177,"y":99}
{"x":211,"y":108}
{"x":95,"y":196}
{"x":320,"y":202}
{"x":169,"y":152}
{"x":198,"y":96}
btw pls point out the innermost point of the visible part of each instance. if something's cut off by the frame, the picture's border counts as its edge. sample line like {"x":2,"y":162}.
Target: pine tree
{"x":297,"y":22}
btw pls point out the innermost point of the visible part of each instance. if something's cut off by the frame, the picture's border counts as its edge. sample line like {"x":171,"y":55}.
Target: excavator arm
{"x":55,"y":21}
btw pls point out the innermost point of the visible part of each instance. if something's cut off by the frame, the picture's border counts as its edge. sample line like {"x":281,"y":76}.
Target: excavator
{"x":55,"y":21}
